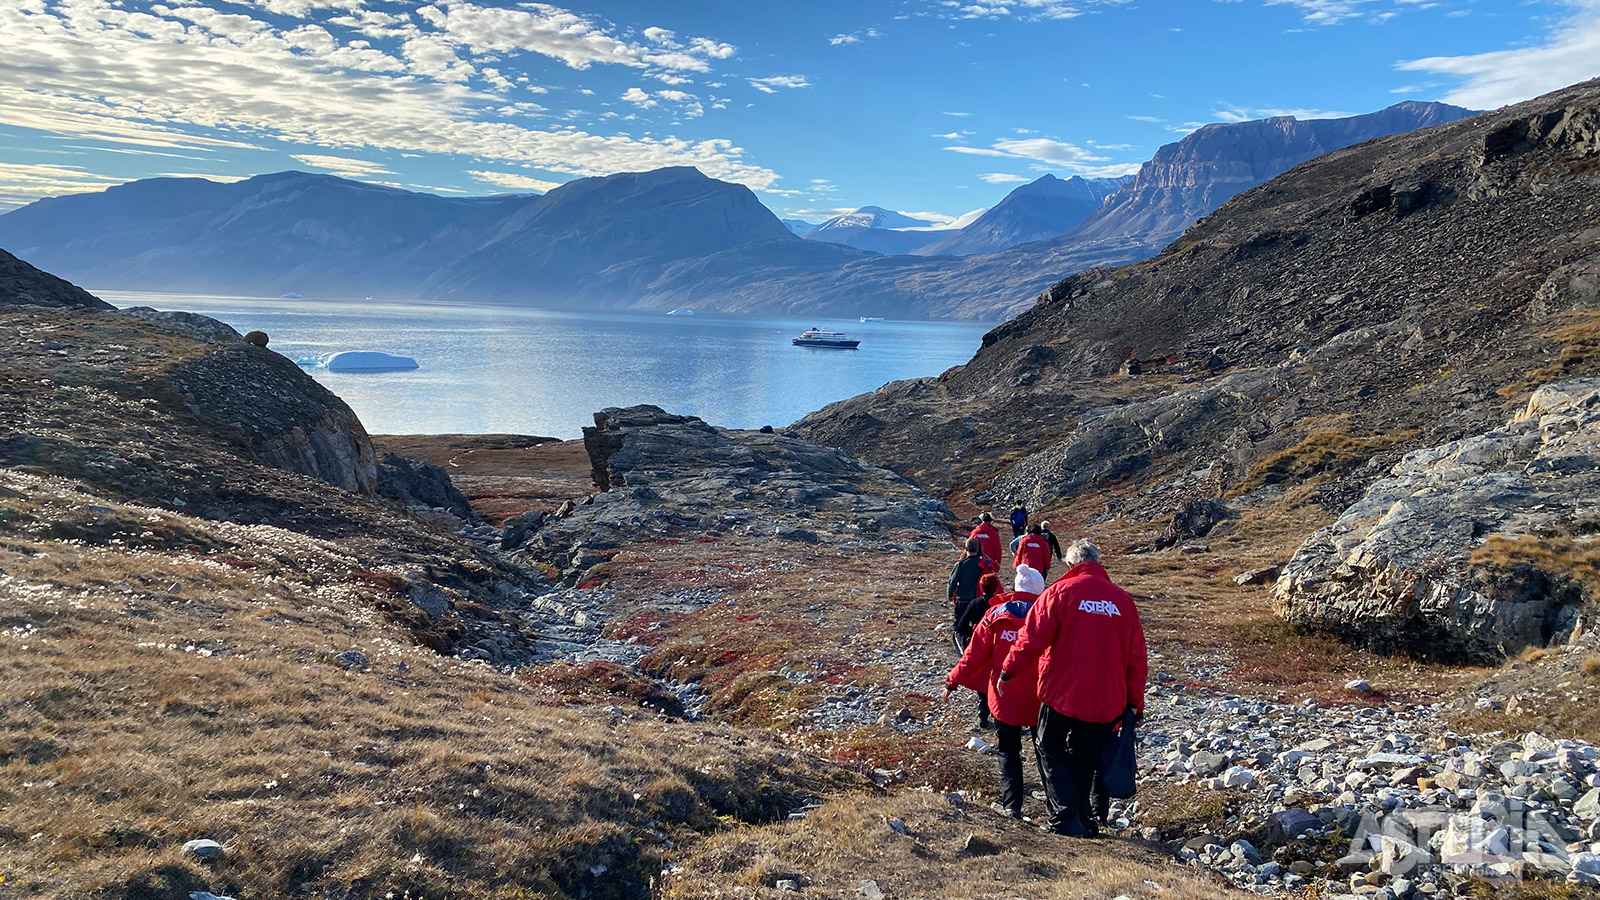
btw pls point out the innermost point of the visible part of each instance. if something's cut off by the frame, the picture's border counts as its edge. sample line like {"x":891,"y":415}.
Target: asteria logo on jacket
{"x":1099,"y":607}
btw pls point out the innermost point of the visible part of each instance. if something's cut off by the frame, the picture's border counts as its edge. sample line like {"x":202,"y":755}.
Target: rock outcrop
{"x":153,"y":410}
{"x":665,"y":475}
{"x":23,"y":285}
{"x":1456,"y":554}
{"x":417,"y":483}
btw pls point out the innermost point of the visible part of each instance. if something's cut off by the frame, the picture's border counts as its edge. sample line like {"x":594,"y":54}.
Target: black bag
{"x":1119,"y":764}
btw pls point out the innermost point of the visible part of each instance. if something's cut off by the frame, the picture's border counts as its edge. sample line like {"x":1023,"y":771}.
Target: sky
{"x":931,"y":107}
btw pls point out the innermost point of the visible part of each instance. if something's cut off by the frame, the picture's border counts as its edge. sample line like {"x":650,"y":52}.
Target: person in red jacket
{"x":1085,"y":637}
{"x":1033,"y":551}
{"x":1018,"y":708}
{"x":988,"y":538}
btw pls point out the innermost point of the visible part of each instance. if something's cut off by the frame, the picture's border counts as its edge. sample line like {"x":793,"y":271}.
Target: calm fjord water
{"x":526,"y":371}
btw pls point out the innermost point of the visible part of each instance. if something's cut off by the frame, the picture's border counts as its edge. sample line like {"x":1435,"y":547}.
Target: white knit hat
{"x":1028,"y":580}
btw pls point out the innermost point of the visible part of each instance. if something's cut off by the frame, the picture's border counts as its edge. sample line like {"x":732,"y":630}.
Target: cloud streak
{"x":1053,"y":154}
{"x":1570,"y":53}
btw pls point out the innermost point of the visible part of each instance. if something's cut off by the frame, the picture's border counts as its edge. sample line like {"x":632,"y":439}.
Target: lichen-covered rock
{"x":1395,"y":573}
{"x":203,"y":328}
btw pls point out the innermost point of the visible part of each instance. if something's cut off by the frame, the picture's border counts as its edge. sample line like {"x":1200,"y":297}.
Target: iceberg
{"x":366,"y":361}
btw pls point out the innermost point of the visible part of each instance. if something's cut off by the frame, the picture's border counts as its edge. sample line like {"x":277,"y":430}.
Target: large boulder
{"x":1449,"y":557}
{"x":417,"y":483}
{"x":662,"y":475}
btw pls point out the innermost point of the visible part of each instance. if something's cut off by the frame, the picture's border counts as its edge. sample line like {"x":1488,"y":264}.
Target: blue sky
{"x":927,"y":106}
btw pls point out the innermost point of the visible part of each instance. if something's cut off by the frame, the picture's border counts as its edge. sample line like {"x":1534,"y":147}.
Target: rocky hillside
{"x":1288,"y":349}
{"x":24,"y":285}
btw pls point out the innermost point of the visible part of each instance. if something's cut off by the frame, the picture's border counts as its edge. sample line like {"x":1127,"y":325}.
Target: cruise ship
{"x":837,"y":340}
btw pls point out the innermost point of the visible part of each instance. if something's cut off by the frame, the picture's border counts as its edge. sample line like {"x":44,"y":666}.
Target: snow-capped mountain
{"x":882,"y":230}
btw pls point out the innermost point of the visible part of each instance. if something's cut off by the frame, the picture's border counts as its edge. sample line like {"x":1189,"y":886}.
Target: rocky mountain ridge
{"x":655,"y":240}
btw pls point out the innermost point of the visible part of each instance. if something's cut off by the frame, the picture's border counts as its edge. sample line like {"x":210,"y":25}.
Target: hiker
{"x":1050,"y":536}
{"x":989,"y":536}
{"x":964,"y":592}
{"x":1019,"y":519}
{"x":1018,"y":707}
{"x":1084,"y":636}
{"x":1033,"y":551}
{"x":967,"y":608}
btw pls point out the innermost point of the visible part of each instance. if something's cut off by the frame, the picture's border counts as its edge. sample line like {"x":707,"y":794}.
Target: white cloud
{"x":1147,"y":118}
{"x":638,"y":97}
{"x":219,"y":179}
{"x":771,"y":84}
{"x":1055,"y":155}
{"x":959,"y":115}
{"x":838,"y":39}
{"x":1571,"y":53}
{"x":1326,"y":12}
{"x":91,"y":70}
{"x":1026,"y":10}
{"x":1002,"y":178}
{"x":567,"y":36}
{"x":514,"y":181}
{"x":20,"y":184}
{"x":340,"y":165}
{"x":1231,"y":113}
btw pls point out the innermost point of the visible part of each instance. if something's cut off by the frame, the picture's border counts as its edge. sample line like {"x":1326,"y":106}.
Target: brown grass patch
{"x":1560,"y":554}
{"x":1324,"y":452}
{"x":1579,"y":335}
{"x":1591,"y":666}
{"x":847,"y":840}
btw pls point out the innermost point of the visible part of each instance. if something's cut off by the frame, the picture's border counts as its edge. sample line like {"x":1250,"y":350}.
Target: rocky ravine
{"x":1381,"y":299}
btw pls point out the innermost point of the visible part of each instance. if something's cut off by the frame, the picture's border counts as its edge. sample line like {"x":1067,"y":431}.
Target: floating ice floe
{"x":359,"y":361}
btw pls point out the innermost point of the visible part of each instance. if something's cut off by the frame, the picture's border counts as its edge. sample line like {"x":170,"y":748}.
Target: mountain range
{"x":653,"y":240}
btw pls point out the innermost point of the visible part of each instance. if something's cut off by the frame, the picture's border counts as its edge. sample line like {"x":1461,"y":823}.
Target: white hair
{"x":1082,"y":550}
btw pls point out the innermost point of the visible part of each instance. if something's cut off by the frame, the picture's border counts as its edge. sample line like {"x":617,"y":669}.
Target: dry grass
{"x":147,"y":698}
{"x":847,"y":840}
{"x":1591,"y":666}
{"x":1559,"y":554}
{"x":1324,"y":452}
{"x":1579,"y":337}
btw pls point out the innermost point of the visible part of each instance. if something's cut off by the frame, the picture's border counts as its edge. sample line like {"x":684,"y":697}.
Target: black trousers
{"x":1008,"y":740}
{"x":1069,"y":752}
{"x":961,"y":632}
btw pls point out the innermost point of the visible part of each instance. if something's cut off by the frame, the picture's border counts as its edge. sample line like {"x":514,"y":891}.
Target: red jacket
{"x":1033,"y":551}
{"x":1084,"y":635}
{"x":980,"y":664}
{"x":989,"y":537}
